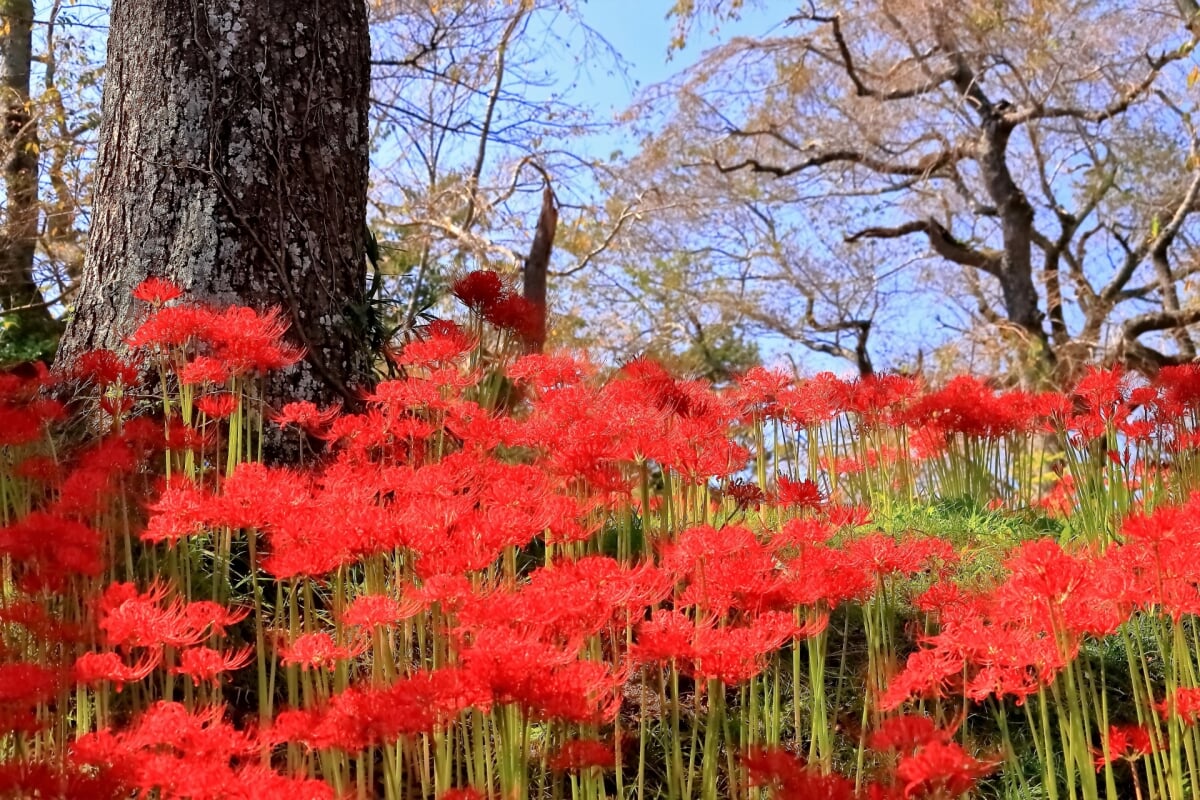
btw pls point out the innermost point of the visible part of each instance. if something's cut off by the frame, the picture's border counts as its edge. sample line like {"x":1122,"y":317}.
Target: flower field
{"x":515,"y":576}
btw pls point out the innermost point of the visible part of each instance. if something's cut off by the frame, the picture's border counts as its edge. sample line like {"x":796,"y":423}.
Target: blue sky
{"x":641,"y":32}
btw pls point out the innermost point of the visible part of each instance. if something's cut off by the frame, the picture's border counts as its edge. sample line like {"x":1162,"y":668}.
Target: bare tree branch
{"x":926,"y":167}
{"x":940,"y":239}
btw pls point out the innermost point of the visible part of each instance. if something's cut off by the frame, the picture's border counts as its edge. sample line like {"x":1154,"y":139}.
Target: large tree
{"x":28,"y":315}
{"x":1042,"y":150}
{"x":233,"y":160}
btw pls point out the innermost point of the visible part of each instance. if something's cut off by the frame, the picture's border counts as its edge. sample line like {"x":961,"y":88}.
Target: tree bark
{"x":233,"y":160}
{"x":537,"y":266}
{"x":19,"y":293}
{"x":1021,"y":302}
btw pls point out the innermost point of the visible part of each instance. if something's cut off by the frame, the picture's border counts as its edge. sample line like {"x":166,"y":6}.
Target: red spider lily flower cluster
{"x":467,"y":598}
{"x":486,"y":294}
{"x":1127,"y":742}
{"x":239,"y":339}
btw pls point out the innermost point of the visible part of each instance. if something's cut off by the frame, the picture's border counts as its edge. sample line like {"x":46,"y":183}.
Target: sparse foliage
{"x":1026,"y":172}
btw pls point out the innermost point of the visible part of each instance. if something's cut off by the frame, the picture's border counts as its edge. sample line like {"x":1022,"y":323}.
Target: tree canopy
{"x":1023,"y":172}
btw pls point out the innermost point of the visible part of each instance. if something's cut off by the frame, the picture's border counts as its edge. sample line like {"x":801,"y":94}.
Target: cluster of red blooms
{"x":436,"y":498}
{"x":928,"y":765}
{"x":1013,"y":638}
{"x":487,"y":295}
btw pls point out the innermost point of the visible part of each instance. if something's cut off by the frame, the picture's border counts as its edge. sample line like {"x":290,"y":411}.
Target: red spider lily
{"x":1183,"y":705}
{"x":175,"y":753}
{"x":306,"y":416}
{"x":105,"y":368}
{"x":26,"y":778}
{"x":968,"y":406}
{"x":1060,"y":500}
{"x":24,"y":683}
{"x":882,"y":555}
{"x":259,"y":782}
{"x":207,"y":615}
{"x":788,"y":777}
{"x":38,"y":622}
{"x":478,"y":290}
{"x":583,"y":692}
{"x":375,"y":610}
{"x":240,"y":339}
{"x":206,"y":664}
{"x":173,"y":327}
{"x":848,"y":516}
{"x":906,"y":733}
{"x":927,"y":672}
{"x":940,"y":768}
{"x":467,"y":793}
{"x":448,"y":591}
{"x":799,"y":533}
{"x":744,"y":493}
{"x":179,"y":436}
{"x":683,"y":427}
{"x":218,"y":406}
{"x":461,"y":513}
{"x":47,"y":550}
{"x":985,"y":646}
{"x":256,"y":495}
{"x":724,"y":569}
{"x":580,"y":754}
{"x":477,"y":428}
{"x":157,"y":291}
{"x":1127,"y":742}
{"x":546,"y":372}
{"x":882,"y":400}
{"x":203,"y":370}
{"x":1060,"y":592}
{"x":813,"y":402}
{"x":317,"y":651}
{"x":513,"y":312}
{"x":249,"y":342}
{"x":23,"y":383}
{"x":19,"y":425}
{"x":116,"y":406}
{"x":579,"y":440}
{"x":130,"y":618}
{"x":803,"y":494}
{"x":545,"y":679}
{"x":97,"y":478}
{"x":182,"y":509}
{"x":1158,"y":562}
{"x":92,"y":668}
{"x":21,"y":720}
{"x":569,"y":601}
{"x":1102,"y":400}
{"x":759,"y":391}
{"x":298,"y":534}
{"x":41,"y":469}
{"x":734,"y":655}
{"x":361,"y":717}
{"x":443,"y":344}
{"x":816,"y":575}
{"x":1101,"y":388}
{"x":665,"y":637}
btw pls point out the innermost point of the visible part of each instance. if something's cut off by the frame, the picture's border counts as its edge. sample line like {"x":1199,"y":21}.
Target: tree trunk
{"x":19,"y":294}
{"x":233,"y":160}
{"x":1021,"y":303}
{"x":537,"y":267}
